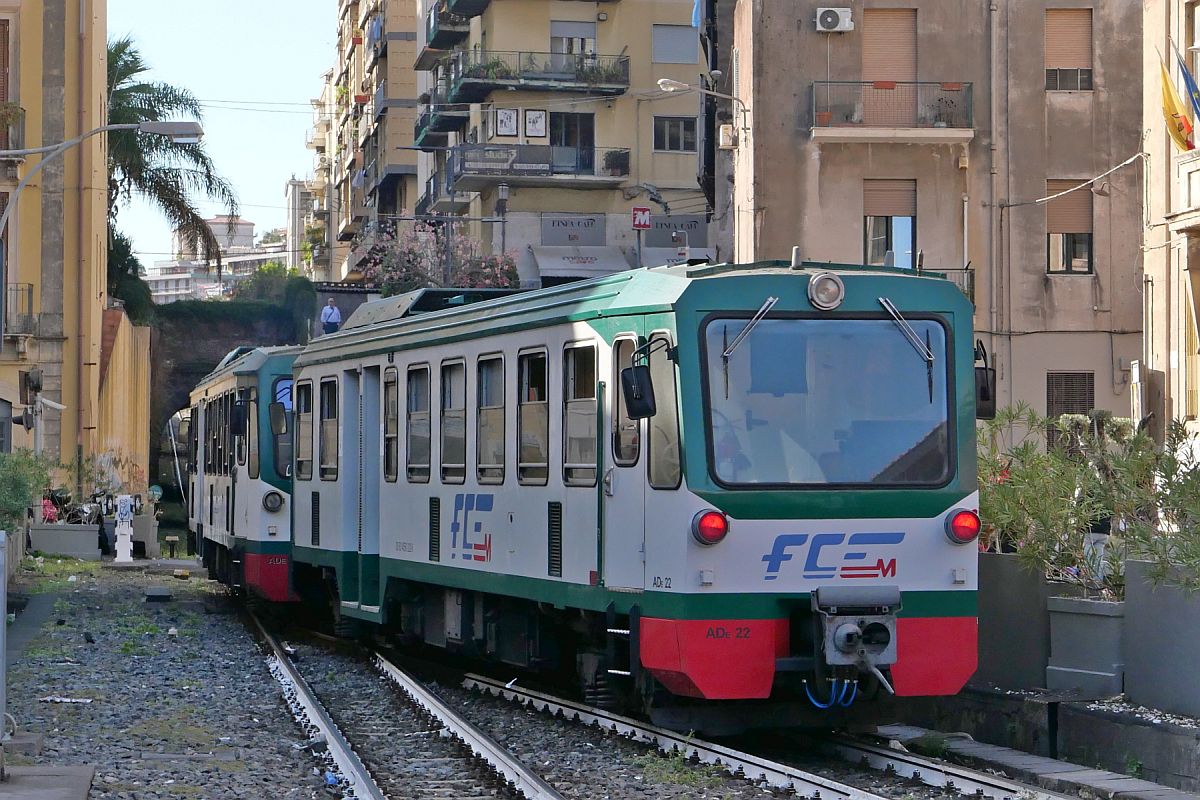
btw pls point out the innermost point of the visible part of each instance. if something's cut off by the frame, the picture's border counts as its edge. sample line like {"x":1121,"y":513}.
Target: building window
{"x":1068,"y":49}
{"x":391,"y":424}
{"x":571,"y":38}
{"x":417,"y":424}
{"x":533,"y":420}
{"x":489,"y":439}
{"x":675,"y":134}
{"x":1067,"y":393}
{"x":890,"y":223}
{"x":675,"y":44}
{"x":5,"y":426}
{"x":579,"y":416}
{"x":1068,"y":229}
{"x":329,"y":429}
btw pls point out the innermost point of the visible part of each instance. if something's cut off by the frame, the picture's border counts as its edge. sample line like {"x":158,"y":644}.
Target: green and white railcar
{"x":791,"y":526}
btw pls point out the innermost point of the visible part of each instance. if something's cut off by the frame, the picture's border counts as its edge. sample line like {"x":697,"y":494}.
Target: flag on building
{"x":1189,"y":83}
{"x":1175,"y":112}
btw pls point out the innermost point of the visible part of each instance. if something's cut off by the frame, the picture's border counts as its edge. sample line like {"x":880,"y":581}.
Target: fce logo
{"x":477,"y":547}
{"x":851,"y":563}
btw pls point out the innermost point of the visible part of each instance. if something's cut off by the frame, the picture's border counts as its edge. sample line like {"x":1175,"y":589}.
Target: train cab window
{"x":391,"y":424}
{"x":304,"y":431}
{"x":453,"y":422}
{"x":579,"y":416}
{"x":240,"y":437}
{"x":533,"y":420}
{"x":417,"y":424}
{"x":664,"y":425}
{"x":625,"y":444}
{"x":329,"y":430}
{"x":282,"y":449}
{"x":489,"y":439}
{"x":252,"y":434}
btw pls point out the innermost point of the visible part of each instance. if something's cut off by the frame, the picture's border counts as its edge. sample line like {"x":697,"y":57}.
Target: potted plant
{"x":616,"y":162}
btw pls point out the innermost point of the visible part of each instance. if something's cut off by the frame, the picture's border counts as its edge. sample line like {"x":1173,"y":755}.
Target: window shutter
{"x":675,"y":44}
{"x":1071,"y":213}
{"x":5,"y":66}
{"x":889,"y":44}
{"x":1068,"y":38}
{"x":573,"y":30}
{"x":889,"y":198}
{"x":1067,"y":393}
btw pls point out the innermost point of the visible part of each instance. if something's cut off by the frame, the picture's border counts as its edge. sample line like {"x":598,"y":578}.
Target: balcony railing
{"x":475,"y":74}
{"x":467,"y":8}
{"x":891,"y":104}
{"x":437,"y":118}
{"x":18,"y":309}
{"x":444,"y":28}
{"x":964,"y":279}
{"x":12,"y":130}
{"x":475,"y":166}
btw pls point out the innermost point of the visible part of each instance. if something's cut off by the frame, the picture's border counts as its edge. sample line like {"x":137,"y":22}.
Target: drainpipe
{"x":966,"y":256}
{"x":993,"y":155}
{"x":81,"y":157}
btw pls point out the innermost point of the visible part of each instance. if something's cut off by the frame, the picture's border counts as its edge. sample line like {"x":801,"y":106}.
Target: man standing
{"x":331,"y":317}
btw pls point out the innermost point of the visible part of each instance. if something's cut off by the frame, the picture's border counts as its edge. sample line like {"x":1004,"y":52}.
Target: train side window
{"x":329,"y":430}
{"x":240,"y":438}
{"x":579,"y":415}
{"x":391,"y":424}
{"x":222,"y":437}
{"x":283,"y":443}
{"x":489,"y":439}
{"x":625,"y":444}
{"x":252,"y":434}
{"x":304,"y":431}
{"x":533,"y":420}
{"x":664,"y":425}
{"x":417,"y":424}
{"x":453,"y":422}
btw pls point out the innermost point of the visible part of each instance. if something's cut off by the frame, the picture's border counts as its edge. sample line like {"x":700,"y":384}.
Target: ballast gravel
{"x":182,"y":703}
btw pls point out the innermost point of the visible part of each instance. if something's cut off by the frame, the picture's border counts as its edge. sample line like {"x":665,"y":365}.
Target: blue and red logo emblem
{"x":826,"y":559}
{"x":475,"y":543}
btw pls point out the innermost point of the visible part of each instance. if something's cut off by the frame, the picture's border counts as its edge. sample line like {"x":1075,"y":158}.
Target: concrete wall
{"x":792,"y":190}
{"x":125,"y":401}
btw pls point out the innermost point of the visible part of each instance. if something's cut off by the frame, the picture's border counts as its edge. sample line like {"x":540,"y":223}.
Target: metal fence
{"x":493,"y":65}
{"x":18,"y":308}
{"x":533,"y":160}
{"x":891,"y":104}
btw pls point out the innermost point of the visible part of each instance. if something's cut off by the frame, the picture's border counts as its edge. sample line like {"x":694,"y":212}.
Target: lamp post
{"x":669,"y":85}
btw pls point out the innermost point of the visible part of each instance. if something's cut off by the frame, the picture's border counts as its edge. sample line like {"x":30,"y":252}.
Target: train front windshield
{"x":828,"y":401}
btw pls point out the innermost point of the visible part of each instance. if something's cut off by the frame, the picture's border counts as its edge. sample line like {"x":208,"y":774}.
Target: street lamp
{"x":669,"y":85}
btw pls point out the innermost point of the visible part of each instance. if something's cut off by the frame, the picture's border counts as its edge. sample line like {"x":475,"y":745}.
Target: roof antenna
{"x":797,"y":262}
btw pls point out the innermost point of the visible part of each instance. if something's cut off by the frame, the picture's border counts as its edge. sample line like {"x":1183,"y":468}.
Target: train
{"x":724,"y":496}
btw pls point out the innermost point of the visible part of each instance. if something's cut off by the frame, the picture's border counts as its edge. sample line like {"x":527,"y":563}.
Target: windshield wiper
{"x":922,"y":347}
{"x":763,"y":310}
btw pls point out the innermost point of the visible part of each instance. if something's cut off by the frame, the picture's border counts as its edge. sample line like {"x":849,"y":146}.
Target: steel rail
{"x":295,"y":688}
{"x":521,"y":777}
{"x":751,"y":767}
{"x":933,"y":772}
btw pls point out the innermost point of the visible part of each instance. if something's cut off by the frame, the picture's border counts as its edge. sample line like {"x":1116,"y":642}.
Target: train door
{"x":624,"y":496}
{"x":349,"y":482}
{"x":368,"y":483}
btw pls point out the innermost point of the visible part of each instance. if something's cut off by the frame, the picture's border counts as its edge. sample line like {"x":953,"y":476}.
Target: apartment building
{"x":189,"y":276}
{"x":56,"y":313}
{"x":543,"y":127}
{"x":299,"y":202}
{"x":928,"y":133}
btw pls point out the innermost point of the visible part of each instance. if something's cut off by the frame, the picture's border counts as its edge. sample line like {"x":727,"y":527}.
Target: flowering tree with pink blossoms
{"x":425,"y":256}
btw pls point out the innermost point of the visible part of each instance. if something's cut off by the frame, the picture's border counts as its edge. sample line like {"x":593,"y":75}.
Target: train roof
{"x":397,"y":322}
{"x":246,"y":361}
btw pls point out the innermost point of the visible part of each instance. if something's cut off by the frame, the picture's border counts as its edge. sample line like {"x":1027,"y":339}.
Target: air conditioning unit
{"x":834,"y":20}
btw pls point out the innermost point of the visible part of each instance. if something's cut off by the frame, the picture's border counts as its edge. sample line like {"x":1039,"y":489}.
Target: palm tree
{"x":165,"y":172}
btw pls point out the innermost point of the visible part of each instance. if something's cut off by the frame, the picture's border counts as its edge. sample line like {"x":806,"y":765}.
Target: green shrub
{"x":23,"y":477}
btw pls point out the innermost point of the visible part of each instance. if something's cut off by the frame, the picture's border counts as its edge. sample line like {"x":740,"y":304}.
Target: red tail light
{"x":709,"y":527}
{"x":962,"y":526}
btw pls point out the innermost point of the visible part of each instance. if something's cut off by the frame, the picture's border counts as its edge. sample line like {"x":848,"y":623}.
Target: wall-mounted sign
{"x":506,"y":121}
{"x":535,"y":123}
{"x":501,"y":159}
{"x":580,"y":230}
{"x":663,"y":225}
{"x":642,"y":220}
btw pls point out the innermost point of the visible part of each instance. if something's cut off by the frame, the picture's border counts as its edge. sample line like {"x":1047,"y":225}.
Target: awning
{"x":578,"y":262}
{"x":669,"y":256}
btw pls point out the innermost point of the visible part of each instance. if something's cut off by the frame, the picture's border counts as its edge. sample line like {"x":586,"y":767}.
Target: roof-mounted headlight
{"x":826,"y":291}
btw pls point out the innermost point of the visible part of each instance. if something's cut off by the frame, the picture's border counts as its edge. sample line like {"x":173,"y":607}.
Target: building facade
{"x":543,"y":127}
{"x":930,"y":134}
{"x":299,"y":201}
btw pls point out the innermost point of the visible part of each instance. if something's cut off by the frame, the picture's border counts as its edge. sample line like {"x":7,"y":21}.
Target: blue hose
{"x":845,"y":702}
{"x":833,"y":695}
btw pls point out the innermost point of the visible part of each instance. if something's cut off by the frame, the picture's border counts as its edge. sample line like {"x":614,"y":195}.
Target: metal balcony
{"x":18,"y":309}
{"x":467,"y":8}
{"x":438,"y":118}
{"x":474,"y":75}
{"x":920,"y":112}
{"x":964,"y":279}
{"x":441,"y":199}
{"x":12,"y":134}
{"x":443,"y":30}
{"x":474,"y":167}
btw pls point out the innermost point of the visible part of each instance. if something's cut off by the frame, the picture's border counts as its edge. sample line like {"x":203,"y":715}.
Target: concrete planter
{"x":1086,"y":653}
{"x":1014,"y":626}
{"x":1162,"y":643}
{"x":76,"y":541}
{"x":145,"y":532}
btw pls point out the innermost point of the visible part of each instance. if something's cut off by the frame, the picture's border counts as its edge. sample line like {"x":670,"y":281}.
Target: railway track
{"x":931,"y":772}
{"x":390,"y":745}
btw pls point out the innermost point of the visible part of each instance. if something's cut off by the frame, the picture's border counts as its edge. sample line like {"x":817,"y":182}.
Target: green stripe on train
{"x":561,"y":594}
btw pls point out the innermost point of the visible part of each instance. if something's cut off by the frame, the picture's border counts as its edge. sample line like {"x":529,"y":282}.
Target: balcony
{"x":12,"y":130}
{"x":467,"y":8}
{"x":964,"y":279}
{"x":437,"y":119}
{"x":894,"y":112}
{"x":440,"y":199}
{"x":474,"y":167}
{"x":443,"y":30}
{"x":474,"y":75}
{"x":18,"y":309}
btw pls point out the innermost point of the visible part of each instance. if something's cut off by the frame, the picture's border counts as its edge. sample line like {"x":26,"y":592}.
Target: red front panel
{"x":719,"y":659}
{"x":935,"y":655}
{"x":267,"y":575}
